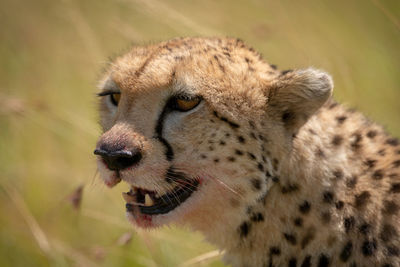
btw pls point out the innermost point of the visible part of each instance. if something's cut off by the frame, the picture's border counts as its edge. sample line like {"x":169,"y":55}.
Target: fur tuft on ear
{"x":295,"y":96}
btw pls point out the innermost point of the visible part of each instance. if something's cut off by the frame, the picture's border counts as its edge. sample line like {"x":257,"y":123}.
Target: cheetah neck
{"x":316,"y":190}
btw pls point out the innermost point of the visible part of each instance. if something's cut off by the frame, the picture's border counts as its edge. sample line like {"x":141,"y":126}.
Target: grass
{"x":51,"y":54}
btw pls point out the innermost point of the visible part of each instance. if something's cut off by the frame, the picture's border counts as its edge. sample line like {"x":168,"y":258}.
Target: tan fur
{"x":288,"y":177}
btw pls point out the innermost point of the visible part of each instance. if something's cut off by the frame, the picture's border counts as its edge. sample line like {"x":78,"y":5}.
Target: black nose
{"x":117,"y":160}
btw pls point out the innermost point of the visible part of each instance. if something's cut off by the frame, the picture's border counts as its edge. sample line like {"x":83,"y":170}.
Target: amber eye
{"x":185,"y":104}
{"x":115,"y":98}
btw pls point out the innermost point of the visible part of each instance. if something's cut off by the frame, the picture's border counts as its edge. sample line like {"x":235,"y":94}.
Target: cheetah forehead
{"x":216,"y":68}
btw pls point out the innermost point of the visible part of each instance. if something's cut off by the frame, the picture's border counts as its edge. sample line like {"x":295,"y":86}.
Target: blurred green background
{"x":51,"y":54}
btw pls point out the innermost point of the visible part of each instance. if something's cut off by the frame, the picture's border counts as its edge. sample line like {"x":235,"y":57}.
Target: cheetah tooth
{"x":148,"y":201}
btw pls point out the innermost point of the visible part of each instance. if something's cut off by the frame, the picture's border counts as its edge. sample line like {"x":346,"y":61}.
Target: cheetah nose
{"x":117,"y":160}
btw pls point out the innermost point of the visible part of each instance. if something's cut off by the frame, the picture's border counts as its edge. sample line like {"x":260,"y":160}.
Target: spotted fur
{"x":288,"y":177}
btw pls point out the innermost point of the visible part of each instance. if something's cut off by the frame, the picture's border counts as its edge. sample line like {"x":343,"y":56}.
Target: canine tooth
{"x":129,"y":198}
{"x":148,"y":201}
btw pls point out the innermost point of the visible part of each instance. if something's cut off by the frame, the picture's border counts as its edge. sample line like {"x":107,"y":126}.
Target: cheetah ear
{"x":297,"y":95}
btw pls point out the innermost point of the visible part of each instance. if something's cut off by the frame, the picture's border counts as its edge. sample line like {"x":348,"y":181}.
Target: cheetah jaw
{"x":149,"y":203}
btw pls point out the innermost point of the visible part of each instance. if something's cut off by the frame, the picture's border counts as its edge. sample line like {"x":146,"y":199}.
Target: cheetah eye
{"x":115,"y":98}
{"x":184,"y":103}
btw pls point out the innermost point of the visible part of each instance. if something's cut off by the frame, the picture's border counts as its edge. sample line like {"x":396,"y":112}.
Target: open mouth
{"x":150,"y":203}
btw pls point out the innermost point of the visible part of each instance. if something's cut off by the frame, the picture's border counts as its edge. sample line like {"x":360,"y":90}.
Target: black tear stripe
{"x":169,"y":153}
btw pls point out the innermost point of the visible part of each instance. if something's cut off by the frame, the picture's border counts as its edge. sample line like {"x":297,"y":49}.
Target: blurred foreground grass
{"x":51,"y":53}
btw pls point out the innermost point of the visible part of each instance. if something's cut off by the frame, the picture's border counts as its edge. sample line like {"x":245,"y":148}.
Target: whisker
{"x":224,"y":185}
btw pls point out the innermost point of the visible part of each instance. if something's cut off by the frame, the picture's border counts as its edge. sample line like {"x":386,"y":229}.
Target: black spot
{"x":257,"y":217}
{"x":273,"y":66}
{"x":275,"y":251}
{"x":351,"y":183}
{"x":216,"y":160}
{"x":390,"y":207}
{"x":287,"y":116}
{"x":371,"y":134}
{"x":260,"y":167}
{"x":388,"y":233}
{"x":395,"y":188}
{"x":377,"y":175}
{"x":251,"y":155}
{"x":369,"y":247}
{"x":223,"y":119}
{"x":253,"y":135}
{"x":323,"y":261}
{"x":346,"y":252}
{"x":256,"y":183}
{"x":307,"y":238}
{"x":233,"y":125}
{"x":231,"y":159}
{"x":392,"y":141}
{"x":289,"y":188}
{"x":387,"y":265}
{"x":238,"y":152}
{"x":222,"y":143}
{"x":356,"y":143}
{"x":290,"y":238}
{"x":292,"y":262}
{"x":337,"y":140}
{"x":284,"y":72}
{"x":339,"y":204}
{"x":328,"y":197}
{"x":241,"y":139}
{"x":361,"y":199}
{"x":305,"y":207}
{"x":365,"y":228}
{"x":338,"y":174}
{"x":370,"y":163}
{"x":298,"y":221}
{"x":275,"y":164}
{"x":341,"y":119}
{"x":244,"y":229}
{"x":349,"y":223}
{"x":306,"y":261}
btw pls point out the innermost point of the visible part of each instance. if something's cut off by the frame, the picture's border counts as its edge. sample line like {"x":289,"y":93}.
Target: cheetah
{"x":263,"y":162}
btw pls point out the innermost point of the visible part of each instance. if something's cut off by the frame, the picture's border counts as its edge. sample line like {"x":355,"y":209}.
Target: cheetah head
{"x":199,"y":128}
